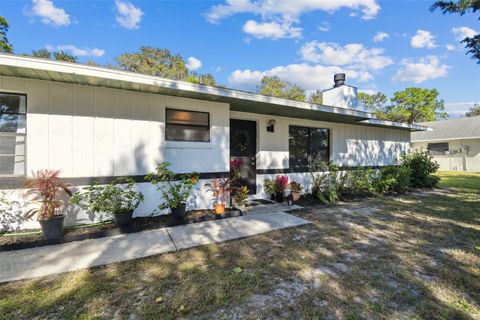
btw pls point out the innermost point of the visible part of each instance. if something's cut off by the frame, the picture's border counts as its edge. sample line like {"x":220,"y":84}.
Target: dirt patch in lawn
{"x":410,"y":256}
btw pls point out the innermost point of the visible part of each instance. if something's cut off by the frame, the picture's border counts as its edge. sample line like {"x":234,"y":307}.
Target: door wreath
{"x":241,"y":140}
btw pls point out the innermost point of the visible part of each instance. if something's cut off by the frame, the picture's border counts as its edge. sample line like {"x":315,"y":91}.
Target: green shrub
{"x":393,"y":179}
{"x":174,"y":188}
{"x":423,"y":169}
{"x":326,"y":186}
{"x":357,"y":183}
{"x":117,"y":197}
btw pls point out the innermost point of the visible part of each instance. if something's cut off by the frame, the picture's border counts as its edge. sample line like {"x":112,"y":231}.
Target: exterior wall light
{"x":271,"y":125}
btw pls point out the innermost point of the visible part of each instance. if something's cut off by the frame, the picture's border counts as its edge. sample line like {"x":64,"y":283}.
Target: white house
{"x":95,"y":123}
{"x":454,"y":144}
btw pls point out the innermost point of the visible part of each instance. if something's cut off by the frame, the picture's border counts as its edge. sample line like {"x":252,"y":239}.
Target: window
{"x":13,"y":114}
{"x":308,"y":147}
{"x":438,"y":148}
{"x":185,"y":125}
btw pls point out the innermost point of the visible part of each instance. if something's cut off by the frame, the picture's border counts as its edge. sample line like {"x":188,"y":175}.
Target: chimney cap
{"x":339,"y":79}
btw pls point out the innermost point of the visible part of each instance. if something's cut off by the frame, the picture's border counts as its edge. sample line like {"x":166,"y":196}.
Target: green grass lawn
{"x":460,"y":180}
{"x":415,"y":256}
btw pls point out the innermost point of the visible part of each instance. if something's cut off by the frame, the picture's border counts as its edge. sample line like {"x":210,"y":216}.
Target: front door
{"x":243,"y":151}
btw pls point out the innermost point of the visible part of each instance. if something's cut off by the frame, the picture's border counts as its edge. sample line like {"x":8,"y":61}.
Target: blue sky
{"x":382,"y":45}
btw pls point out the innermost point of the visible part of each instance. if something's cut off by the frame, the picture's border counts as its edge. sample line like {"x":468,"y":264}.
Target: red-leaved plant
{"x":236,"y":168}
{"x":46,"y":186}
{"x":281,"y":183}
{"x":220,"y":188}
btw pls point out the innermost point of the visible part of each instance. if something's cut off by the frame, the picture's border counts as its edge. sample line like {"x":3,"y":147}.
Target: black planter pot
{"x":179,"y":212}
{"x":279,"y":196}
{"x":272,"y":196}
{"x":52,"y":228}
{"x":123,"y":219}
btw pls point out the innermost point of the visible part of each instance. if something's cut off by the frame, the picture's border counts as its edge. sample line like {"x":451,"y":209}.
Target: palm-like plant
{"x":46,"y":186}
{"x":220,"y":188}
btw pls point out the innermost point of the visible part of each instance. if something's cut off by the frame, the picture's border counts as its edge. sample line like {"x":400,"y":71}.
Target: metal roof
{"x":454,"y":129}
{"x":52,"y":70}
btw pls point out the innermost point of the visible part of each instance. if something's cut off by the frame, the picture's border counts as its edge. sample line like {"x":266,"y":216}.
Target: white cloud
{"x":354,"y":55}
{"x":289,"y":10}
{"x":461,"y":33}
{"x":49,"y":14}
{"x":128,"y":16}
{"x":309,"y":77}
{"x":457,"y":109}
{"x":193,"y":64}
{"x":272,"y":30}
{"x":424,"y":69}
{"x":76,"y":51}
{"x":368,"y":91}
{"x":324,"y":26}
{"x":451,"y":47}
{"x":380,"y":36}
{"x":423,"y":39}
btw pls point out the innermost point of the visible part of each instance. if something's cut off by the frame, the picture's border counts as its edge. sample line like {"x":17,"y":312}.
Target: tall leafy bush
{"x":393,"y":179}
{"x":326,"y":186}
{"x":357,"y":183}
{"x":423,"y":169}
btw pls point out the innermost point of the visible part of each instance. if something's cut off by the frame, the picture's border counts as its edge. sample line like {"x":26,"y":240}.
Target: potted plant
{"x":269,"y":187}
{"x":175,"y":188}
{"x":236,"y":169}
{"x":46,"y":188}
{"x":220,"y":188}
{"x":119,"y":198}
{"x":240,"y":198}
{"x":295,"y":189}
{"x":281,"y":184}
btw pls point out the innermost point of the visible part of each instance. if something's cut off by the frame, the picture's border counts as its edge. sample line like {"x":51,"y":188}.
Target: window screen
{"x":182,"y":125}
{"x":13,"y":114}
{"x":437,"y":148}
{"x":308,"y":147}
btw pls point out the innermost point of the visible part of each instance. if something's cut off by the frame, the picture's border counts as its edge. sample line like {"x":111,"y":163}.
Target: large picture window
{"x":309,"y":148}
{"x":13,"y":114}
{"x":438,"y":148}
{"x":183,"y":125}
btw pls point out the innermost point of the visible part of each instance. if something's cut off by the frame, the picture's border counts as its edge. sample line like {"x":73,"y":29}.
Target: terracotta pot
{"x":219,"y":208}
{"x":295,"y":196}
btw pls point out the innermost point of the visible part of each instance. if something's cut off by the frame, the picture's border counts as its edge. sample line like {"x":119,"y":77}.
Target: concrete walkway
{"x":42,"y":261}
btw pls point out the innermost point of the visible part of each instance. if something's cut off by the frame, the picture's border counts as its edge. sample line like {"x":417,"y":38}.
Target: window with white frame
{"x":13,"y":116}
{"x":184,"y":125}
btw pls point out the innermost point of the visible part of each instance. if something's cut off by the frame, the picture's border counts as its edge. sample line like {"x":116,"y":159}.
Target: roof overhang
{"x":445,"y":139}
{"x":398,"y":125}
{"x":51,"y":70}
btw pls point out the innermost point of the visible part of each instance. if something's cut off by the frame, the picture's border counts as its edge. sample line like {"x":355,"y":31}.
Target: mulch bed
{"x":107,"y":229}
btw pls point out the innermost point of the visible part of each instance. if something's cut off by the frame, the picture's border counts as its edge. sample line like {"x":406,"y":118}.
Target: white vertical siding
{"x":90,"y":131}
{"x":351,"y":145}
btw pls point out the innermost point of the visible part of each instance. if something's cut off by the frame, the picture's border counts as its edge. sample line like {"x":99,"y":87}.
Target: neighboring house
{"x":95,"y":123}
{"x":454,"y":144}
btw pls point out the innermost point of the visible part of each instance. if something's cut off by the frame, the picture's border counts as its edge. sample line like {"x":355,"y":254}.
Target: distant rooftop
{"x":454,"y":129}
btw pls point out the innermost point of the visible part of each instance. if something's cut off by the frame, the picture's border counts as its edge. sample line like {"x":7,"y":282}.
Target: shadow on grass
{"x":384,"y":258}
